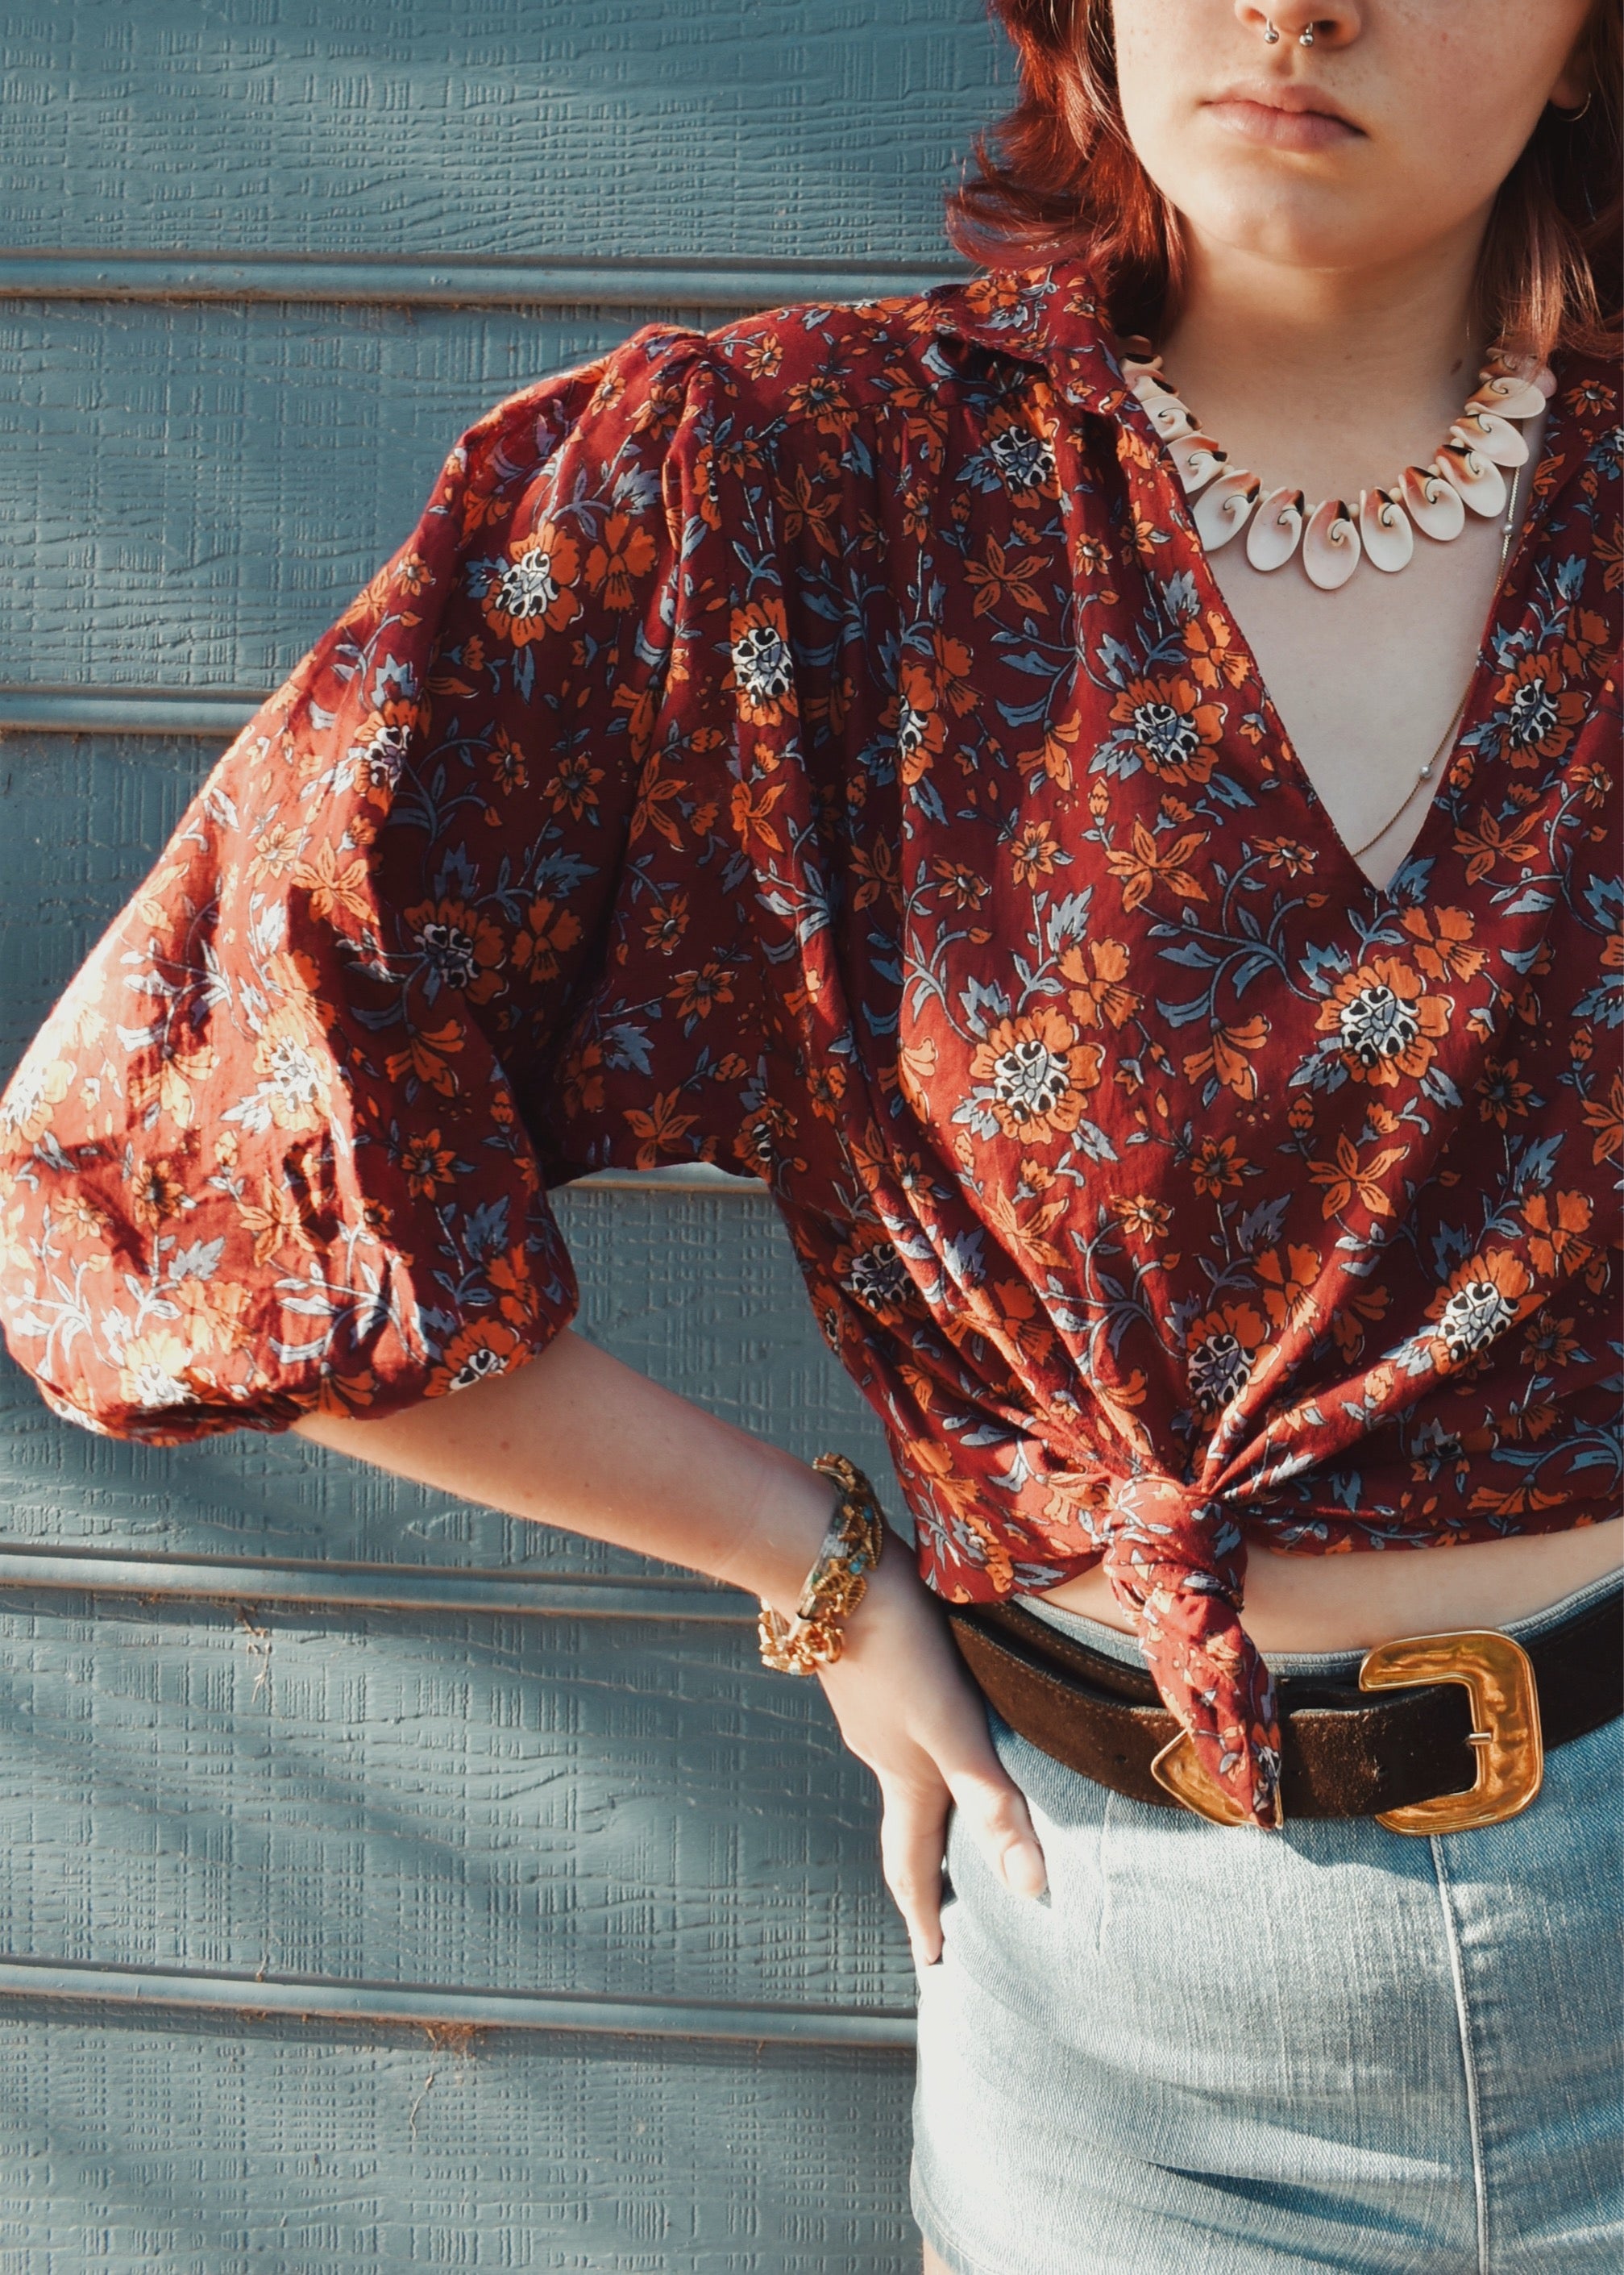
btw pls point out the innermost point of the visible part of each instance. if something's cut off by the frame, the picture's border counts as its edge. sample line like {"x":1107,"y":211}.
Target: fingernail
{"x":1024,"y":1870}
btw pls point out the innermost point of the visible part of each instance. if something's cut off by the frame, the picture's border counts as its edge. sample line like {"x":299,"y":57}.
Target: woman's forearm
{"x":574,"y":1438}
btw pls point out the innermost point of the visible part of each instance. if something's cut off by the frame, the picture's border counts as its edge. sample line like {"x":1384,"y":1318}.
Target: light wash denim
{"x":1211,"y":2051}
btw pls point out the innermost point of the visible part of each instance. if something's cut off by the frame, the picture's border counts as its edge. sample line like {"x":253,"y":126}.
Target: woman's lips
{"x":1281,"y":130}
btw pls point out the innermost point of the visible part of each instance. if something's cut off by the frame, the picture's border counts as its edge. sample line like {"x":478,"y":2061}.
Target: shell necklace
{"x":1335,"y":536}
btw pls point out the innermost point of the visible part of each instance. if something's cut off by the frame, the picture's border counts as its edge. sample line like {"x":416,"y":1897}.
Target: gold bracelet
{"x":835,"y":1585}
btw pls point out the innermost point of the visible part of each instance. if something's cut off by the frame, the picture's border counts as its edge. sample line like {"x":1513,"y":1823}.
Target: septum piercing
{"x":1270,"y":32}
{"x":1305,"y":37}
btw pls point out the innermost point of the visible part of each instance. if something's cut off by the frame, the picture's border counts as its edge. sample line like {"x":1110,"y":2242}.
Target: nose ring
{"x":1270,"y":31}
{"x":1305,"y":37}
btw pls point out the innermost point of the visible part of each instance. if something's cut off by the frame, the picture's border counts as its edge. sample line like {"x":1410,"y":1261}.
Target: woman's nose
{"x":1321,"y":24}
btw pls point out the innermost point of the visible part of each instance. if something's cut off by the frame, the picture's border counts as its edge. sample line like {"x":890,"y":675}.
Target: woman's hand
{"x":907,"y":1706}
{"x":575,"y":1438}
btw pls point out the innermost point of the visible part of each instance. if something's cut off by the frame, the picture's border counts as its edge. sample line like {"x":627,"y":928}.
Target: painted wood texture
{"x":189,"y":496}
{"x":417,"y":1797}
{"x":513,"y":1804}
{"x":132,"y":2142}
{"x":697,"y":127}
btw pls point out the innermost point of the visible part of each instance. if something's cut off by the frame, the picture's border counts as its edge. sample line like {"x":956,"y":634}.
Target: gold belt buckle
{"x":1499,"y":1677}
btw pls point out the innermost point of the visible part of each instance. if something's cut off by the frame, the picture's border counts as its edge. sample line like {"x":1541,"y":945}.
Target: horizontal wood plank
{"x":699,"y":1289}
{"x":189,"y":496}
{"x":692,"y":128}
{"x":469,"y":1804}
{"x":206,"y":2147}
{"x":402,"y":279}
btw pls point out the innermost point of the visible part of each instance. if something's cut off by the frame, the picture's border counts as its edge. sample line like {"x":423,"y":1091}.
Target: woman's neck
{"x":1333,"y":380}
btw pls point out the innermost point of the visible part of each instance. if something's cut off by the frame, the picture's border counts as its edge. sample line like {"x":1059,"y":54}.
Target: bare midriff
{"x":1350,"y":1602}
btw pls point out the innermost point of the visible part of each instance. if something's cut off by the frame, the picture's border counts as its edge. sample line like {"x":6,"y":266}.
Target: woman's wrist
{"x":778,"y":1540}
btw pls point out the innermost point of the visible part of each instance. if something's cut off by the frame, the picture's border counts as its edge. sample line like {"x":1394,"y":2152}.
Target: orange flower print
{"x":1000,"y":577}
{"x":1343,"y":1178}
{"x":533,"y":594}
{"x":872,"y":1272}
{"x":1288,"y":1285}
{"x":1501,"y":1098}
{"x":823,"y":400}
{"x":665,"y":924}
{"x":1548,"y":1342}
{"x":1443,"y":943}
{"x":1142,"y":1218}
{"x":763,"y":676}
{"x":426,"y":1163}
{"x":1387,"y":1028}
{"x":1542,"y":711}
{"x":1225,"y":1056}
{"x":627,"y":552}
{"x":1148,"y":864}
{"x":921,"y":728}
{"x":78,"y":1219}
{"x":157,"y":1189}
{"x":966,"y":889}
{"x":459,"y":948}
{"x":697,"y":993}
{"x":379,"y":748}
{"x":1217,"y":1356}
{"x":1099,"y":993}
{"x":38,"y":1084}
{"x":1174,"y":733}
{"x":1606,"y":1117}
{"x":508,"y":763}
{"x":1211,"y":657}
{"x":954,"y":666}
{"x":1216,"y":1166}
{"x":1024,"y":457}
{"x":1035,"y":1076}
{"x":166,"y":1088}
{"x":276,"y":850}
{"x":1035,"y":854}
{"x":662,"y":1128}
{"x":582,"y":1077}
{"x":1286,"y":853}
{"x":295,"y":1071}
{"x":573,"y":787}
{"x":1476,"y":1304}
{"x":1556,"y":1232}
{"x":476,"y":1352}
{"x":154,"y":1371}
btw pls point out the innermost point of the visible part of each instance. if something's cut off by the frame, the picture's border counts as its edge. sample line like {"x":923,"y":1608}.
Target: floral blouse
{"x":820,"y":746}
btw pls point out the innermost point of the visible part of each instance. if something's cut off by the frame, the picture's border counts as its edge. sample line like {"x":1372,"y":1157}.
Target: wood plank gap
{"x":465,"y":280}
{"x":374,"y":1587}
{"x":875,"y":2028}
{"x":218,"y":713}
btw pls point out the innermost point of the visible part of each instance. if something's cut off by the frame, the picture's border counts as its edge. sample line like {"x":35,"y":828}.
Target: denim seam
{"x":1463,"y":2020}
{"x":949,"y":2255}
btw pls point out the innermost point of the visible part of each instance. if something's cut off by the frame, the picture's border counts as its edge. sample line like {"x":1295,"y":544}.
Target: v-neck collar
{"x":1052,"y":315}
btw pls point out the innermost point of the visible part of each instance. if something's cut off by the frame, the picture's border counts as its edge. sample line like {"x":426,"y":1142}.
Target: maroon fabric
{"x":820,"y":746}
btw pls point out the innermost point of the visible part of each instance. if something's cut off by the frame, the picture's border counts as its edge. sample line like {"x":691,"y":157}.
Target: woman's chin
{"x":1264,"y":213}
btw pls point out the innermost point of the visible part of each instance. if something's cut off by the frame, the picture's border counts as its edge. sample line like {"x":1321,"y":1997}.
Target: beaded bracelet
{"x":835,"y":1585}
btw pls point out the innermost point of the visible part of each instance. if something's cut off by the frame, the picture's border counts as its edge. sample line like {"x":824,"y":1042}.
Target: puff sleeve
{"x":269,"y":1152}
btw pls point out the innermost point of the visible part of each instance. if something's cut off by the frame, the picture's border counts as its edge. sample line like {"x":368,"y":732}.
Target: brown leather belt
{"x":1344,"y":1752}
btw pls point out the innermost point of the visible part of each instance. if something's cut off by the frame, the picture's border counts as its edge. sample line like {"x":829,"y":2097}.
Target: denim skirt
{"x":1211,"y":2051}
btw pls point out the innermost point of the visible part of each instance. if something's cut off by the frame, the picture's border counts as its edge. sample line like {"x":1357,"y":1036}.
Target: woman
{"x":843,"y":746}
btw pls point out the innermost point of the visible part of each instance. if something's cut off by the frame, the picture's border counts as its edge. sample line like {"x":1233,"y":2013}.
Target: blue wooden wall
{"x":385,"y":1883}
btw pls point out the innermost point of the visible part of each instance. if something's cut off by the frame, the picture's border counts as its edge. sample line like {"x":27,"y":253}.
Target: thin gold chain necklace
{"x":1447,"y":736}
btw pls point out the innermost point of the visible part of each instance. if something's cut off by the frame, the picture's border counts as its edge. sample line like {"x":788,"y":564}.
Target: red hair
{"x":1059,"y":179}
